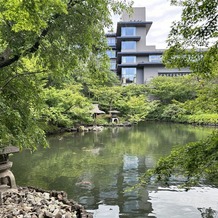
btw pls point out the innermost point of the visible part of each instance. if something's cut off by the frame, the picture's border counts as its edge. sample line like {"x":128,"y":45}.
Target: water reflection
{"x":99,"y":167}
{"x":197,"y":202}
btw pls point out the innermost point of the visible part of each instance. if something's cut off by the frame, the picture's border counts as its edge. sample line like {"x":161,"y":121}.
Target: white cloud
{"x":162,"y":14}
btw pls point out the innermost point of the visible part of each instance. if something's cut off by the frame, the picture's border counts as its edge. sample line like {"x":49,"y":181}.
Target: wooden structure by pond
{"x":7,"y":179}
{"x":96,"y":111}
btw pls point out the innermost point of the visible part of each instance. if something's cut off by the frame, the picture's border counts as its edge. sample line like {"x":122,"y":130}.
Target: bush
{"x":201,"y":119}
{"x":172,"y":112}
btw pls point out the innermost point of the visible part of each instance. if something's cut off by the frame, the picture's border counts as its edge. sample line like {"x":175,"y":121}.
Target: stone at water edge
{"x":21,"y":203}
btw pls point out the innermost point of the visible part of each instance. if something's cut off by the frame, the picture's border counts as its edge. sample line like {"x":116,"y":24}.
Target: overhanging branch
{"x":19,"y":75}
{"x":35,"y":46}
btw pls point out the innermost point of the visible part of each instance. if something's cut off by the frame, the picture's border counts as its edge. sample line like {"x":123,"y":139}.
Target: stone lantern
{"x":7,"y":179}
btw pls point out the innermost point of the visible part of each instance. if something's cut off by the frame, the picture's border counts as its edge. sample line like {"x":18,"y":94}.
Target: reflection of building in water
{"x":133,"y":202}
{"x":117,"y":192}
{"x":137,"y":199}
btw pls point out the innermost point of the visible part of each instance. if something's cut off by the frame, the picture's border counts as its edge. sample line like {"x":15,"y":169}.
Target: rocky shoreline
{"x":30,"y":202}
{"x":88,"y":128}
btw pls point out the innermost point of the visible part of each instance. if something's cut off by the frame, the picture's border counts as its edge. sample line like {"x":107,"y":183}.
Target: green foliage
{"x":33,"y":15}
{"x":134,"y":108}
{"x":206,"y":101}
{"x":133,"y":90}
{"x":130,"y":101}
{"x":172,"y":112}
{"x":168,"y":89}
{"x":189,"y":37}
{"x":101,"y":120}
{"x":106,"y":96}
{"x":201,"y":119}
{"x":65,"y":107}
{"x":195,"y":161}
{"x":198,"y":22}
{"x":44,"y":44}
{"x":185,"y":99}
{"x":20,"y":109}
{"x":192,"y":43}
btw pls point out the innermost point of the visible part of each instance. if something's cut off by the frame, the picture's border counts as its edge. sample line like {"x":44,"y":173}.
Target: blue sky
{"x":162,"y":14}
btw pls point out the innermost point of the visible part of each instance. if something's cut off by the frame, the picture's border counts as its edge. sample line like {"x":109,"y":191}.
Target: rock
{"x":68,"y":215}
{"x":9,"y":207}
{"x":51,"y":207}
{"x":48,"y":214}
{"x":41,"y":215}
{"x":46,"y":195}
{"x":35,"y":203}
{"x":57,"y":212}
{"x":74,"y":214}
{"x":58,"y":215}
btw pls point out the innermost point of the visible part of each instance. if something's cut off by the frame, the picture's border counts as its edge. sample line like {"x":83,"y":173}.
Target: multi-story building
{"x":131,"y":58}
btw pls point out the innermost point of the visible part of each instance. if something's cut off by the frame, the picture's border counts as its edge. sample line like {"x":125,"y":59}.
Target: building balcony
{"x":146,"y":24}
{"x":139,"y":53}
{"x":128,"y":38}
{"x":139,"y":64}
{"x":121,"y":39}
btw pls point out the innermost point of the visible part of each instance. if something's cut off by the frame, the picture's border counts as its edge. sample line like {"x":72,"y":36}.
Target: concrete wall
{"x":138,"y":14}
{"x":151,"y":48}
{"x":141,"y":44}
{"x":139,"y":76}
{"x":150,"y":73}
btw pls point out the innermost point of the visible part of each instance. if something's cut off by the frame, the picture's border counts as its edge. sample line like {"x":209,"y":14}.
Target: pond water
{"x":99,"y":168}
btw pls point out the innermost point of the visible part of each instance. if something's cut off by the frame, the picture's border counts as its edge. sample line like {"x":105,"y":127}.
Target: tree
{"x":196,"y":30}
{"x":135,"y":108}
{"x":183,"y":99}
{"x":193,"y":41}
{"x":107,"y":96}
{"x":168,"y":89}
{"x":196,"y":161}
{"x":41,"y":44}
{"x":65,"y":107}
{"x":130,"y":101}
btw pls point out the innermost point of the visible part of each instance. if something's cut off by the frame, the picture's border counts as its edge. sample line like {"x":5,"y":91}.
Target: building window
{"x":113,"y":64}
{"x":155,"y":58}
{"x":128,"y":59}
{"x":128,"y":31}
{"x":128,"y":45}
{"x":111,"y":41}
{"x":128,"y":75}
{"x":111,"y":53}
{"x":172,"y":74}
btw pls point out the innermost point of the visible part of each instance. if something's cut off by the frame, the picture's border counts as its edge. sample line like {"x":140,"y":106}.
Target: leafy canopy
{"x":195,"y":161}
{"x":42,"y":44}
{"x":193,"y":41}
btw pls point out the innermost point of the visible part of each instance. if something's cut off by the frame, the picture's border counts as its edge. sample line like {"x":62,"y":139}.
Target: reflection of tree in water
{"x":208,"y":213}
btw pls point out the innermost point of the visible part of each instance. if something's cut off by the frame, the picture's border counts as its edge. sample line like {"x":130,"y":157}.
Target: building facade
{"x":131,"y":58}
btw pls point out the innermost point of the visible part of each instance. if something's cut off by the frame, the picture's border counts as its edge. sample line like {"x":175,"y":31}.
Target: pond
{"x":96,"y":168}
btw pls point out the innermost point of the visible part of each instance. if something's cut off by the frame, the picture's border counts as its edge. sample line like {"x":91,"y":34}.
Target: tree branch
{"x":19,"y":75}
{"x":36,"y":45}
